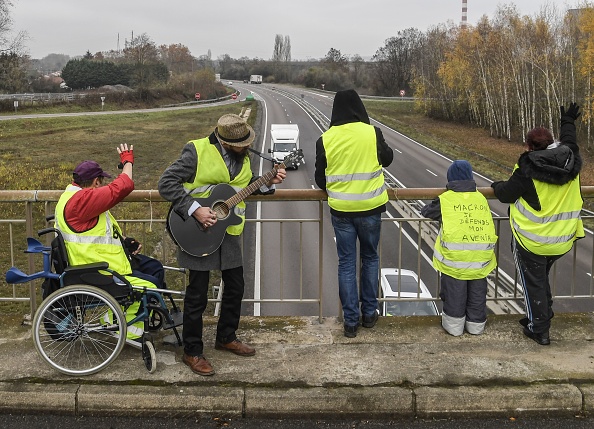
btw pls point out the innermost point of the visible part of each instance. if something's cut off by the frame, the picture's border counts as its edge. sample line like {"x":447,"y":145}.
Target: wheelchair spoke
{"x":74,"y":331}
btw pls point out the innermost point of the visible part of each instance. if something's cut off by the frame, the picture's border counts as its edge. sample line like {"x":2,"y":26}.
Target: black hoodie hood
{"x":348,"y":108}
{"x":556,"y":166}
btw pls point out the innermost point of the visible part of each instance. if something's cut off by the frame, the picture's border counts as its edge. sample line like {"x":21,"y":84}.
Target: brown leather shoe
{"x":198,"y":364}
{"x":236,"y":347}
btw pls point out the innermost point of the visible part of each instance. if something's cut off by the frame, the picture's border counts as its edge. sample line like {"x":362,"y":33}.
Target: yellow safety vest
{"x":212,"y":170}
{"x":354,"y":176}
{"x":552,"y":230}
{"x":466,"y":243}
{"x":100,"y":243}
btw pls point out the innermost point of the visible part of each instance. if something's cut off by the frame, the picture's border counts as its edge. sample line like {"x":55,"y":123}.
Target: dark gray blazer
{"x":170,"y":187}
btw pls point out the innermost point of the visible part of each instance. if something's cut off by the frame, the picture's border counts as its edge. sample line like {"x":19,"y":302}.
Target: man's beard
{"x":237,"y":156}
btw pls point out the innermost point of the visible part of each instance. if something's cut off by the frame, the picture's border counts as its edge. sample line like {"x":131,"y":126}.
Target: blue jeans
{"x":347,"y":230}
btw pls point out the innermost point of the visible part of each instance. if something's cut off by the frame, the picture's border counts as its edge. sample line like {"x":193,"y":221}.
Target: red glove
{"x":126,"y":156}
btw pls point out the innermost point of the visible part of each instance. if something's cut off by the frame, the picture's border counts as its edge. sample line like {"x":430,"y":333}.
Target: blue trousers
{"x":367,"y":231}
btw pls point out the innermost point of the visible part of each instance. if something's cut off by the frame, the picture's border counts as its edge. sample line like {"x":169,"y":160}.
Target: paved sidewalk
{"x":403,"y":367}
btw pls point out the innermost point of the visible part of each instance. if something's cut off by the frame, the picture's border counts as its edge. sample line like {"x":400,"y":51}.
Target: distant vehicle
{"x":256,"y":78}
{"x":284,"y":138}
{"x":230,"y":82}
{"x":405,"y":285}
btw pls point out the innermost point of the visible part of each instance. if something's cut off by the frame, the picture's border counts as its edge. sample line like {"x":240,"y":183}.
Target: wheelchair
{"x":80,"y":327}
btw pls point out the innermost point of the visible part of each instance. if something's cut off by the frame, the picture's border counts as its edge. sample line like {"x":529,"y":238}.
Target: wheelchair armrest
{"x":91,"y":274}
{"x":95,"y":266}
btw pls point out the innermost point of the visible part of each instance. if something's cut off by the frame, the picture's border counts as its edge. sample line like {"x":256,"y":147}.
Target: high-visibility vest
{"x":212,"y":170}
{"x":465,"y":248}
{"x":552,"y":230}
{"x":100,"y":243}
{"x":354,"y":176}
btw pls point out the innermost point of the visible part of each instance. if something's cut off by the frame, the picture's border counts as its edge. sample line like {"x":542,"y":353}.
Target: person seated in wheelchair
{"x":92,"y":234}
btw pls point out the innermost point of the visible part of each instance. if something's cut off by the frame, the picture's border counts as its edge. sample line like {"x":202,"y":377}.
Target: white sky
{"x":242,"y":28}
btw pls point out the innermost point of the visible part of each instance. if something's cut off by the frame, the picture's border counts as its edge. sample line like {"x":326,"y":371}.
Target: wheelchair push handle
{"x":47,"y":231}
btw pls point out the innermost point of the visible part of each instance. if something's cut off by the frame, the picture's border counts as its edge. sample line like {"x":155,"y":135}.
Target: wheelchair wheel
{"x":155,"y":316}
{"x":79,"y":330}
{"x":149,"y":356}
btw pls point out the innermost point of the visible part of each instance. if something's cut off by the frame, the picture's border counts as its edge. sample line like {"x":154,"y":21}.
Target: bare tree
{"x":9,"y":42}
{"x":142,"y":53}
{"x":277,"y":53}
{"x":357,"y":71}
{"x":335,"y":61}
{"x":177,"y":57}
{"x":286,"y":56}
{"x":394,"y":62}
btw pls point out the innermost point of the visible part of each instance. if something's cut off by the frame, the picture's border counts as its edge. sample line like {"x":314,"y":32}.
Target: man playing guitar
{"x":203,"y":166}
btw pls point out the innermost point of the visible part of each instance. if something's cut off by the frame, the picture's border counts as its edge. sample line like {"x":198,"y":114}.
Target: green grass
{"x":492,"y":157}
{"x":42,"y":153}
{"x":53,"y":147}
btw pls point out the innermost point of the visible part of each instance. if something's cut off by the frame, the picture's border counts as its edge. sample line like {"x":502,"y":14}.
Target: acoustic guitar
{"x":198,"y":240}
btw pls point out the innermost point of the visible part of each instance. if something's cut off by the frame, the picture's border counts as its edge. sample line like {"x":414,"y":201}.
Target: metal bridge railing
{"x":29,"y":208}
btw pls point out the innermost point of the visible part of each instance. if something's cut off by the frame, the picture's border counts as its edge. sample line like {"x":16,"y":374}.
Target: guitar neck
{"x":252,"y":187}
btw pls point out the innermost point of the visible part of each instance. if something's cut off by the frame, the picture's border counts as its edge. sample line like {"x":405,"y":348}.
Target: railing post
{"x":321,"y":258}
{"x":29,"y":233}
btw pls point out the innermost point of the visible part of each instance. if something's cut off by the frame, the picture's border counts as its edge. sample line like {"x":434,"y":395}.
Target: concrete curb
{"x":402,"y":368}
{"x":562,"y":400}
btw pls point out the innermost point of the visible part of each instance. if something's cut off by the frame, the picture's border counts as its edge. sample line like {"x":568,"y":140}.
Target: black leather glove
{"x":572,"y":112}
{"x":131,"y":244}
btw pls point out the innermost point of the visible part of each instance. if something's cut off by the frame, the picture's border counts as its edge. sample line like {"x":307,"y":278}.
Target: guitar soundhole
{"x":221,"y":209}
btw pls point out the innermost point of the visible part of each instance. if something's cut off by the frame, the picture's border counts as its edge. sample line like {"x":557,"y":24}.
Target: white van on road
{"x":284,"y":138}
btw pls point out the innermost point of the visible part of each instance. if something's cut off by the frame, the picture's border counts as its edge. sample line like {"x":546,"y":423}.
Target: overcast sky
{"x":241,"y":28}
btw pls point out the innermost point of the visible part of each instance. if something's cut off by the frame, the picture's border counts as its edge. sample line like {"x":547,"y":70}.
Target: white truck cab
{"x":284,"y":138}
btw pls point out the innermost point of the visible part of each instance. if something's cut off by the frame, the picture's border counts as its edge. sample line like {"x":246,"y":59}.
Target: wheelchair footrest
{"x":171,"y":340}
{"x":177,"y":317}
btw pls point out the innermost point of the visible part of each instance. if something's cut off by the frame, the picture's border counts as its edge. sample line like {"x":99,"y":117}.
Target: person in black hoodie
{"x":545,"y":204}
{"x":464,"y":250}
{"x":349,"y":160}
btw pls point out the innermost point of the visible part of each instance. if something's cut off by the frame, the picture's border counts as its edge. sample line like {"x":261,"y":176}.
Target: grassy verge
{"x":492,"y":157}
{"x":42,"y":153}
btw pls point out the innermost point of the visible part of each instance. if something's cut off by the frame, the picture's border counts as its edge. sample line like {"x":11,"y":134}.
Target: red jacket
{"x":83,"y":209}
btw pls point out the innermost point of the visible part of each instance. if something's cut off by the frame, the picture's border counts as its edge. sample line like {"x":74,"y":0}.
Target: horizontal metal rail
{"x":503,"y":289}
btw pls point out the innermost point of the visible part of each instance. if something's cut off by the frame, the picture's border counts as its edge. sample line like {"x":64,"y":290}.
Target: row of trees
{"x":140,"y":65}
{"x":508,"y":73}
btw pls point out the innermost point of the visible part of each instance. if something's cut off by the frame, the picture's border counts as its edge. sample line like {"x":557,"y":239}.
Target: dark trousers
{"x":464,"y":298}
{"x":195,"y":303}
{"x":533,"y":271}
{"x":150,"y":269}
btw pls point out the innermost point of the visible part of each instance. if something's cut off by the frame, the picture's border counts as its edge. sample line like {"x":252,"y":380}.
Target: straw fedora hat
{"x":234,"y":131}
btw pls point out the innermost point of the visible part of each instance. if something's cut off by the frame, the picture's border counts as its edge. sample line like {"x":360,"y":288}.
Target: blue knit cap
{"x":459,"y":170}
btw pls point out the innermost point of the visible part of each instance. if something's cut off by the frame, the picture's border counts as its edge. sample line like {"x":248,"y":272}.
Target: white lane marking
{"x":258,"y":249}
{"x":431,"y":172}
